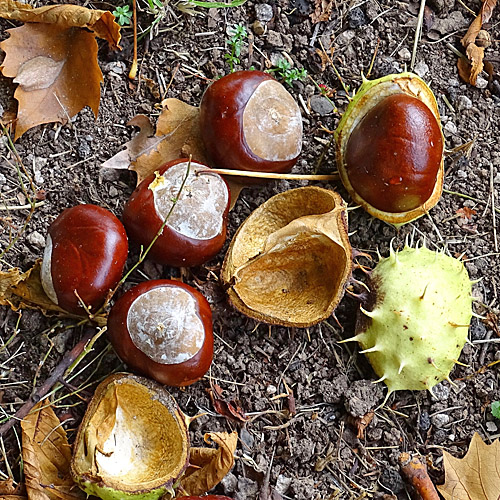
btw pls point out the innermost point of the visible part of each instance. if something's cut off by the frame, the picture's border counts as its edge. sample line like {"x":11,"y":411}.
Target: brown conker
{"x":393,"y":155}
{"x":163,"y":329}
{"x":196,"y":226}
{"x":249,"y":121}
{"x":85,"y":252}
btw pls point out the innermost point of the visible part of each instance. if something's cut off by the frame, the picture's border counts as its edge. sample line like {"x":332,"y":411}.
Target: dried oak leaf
{"x":476,"y":476}
{"x":466,"y":212}
{"x":227,"y":408}
{"x":322,"y":11}
{"x":8,"y":491}
{"x":469,"y":70}
{"x":20,"y":290}
{"x":47,"y":456}
{"x":53,"y":58}
{"x":208,"y":466}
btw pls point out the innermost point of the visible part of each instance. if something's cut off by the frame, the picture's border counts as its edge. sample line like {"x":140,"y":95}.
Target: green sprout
{"x":123,"y":15}
{"x":238,"y":33}
{"x":495,"y":409}
{"x":287,"y":73}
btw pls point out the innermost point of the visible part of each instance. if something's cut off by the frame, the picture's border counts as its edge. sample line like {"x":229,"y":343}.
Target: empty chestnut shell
{"x":163,"y":329}
{"x":390,"y":148}
{"x":85,"y":252}
{"x":249,"y":121}
{"x":196,"y":226}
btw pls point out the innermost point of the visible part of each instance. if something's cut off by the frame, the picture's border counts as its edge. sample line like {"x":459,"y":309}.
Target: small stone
{"x":481,"y":83}
{"x":421,"y":69}
{"x":356,"y":18}
{"x":84,"y":149}
{"x":36,"y":239}
{"x":463,"y":102}
{"x":3,"y":179}
{"x":451,"y":437}
{"x":229,"y":483}
{"x":38,"y":178}
{"x":441,"y":392}
{"x":271,"y":389}
{"x":462,"y":174}
{"x":424,"y":421}
{"x":247,"y":439}
{"x":276,"y":57}
{"x":404,"y":54}
{"x":246,"y":489}
{"x":264,"y":12}
{"x":258,"y":28}
{"x":321,"y":105}
{"x":491,"y":427}
{"x":282,"y":484}
{"x":274,"y":39}
{"x":451,"y":128}
{"x":113,"y":192}
{"x":440,"y":420}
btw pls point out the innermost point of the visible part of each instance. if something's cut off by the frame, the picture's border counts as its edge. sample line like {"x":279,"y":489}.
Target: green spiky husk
{"x":417,"y":317}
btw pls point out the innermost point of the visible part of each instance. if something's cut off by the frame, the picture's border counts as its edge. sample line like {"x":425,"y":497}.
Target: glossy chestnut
{"x":208,"y":497}
{"x":163,"y":329}
{"x":196,"y":226}
{"x":390,"y":148}
{"x":393,"y":155}
{"x":85,"y":252}
{"x":249,"y":121}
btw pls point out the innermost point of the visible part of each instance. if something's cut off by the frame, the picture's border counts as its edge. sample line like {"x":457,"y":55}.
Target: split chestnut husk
{"x":288,"y":263}
{"x":390,"y":148}
{"x":133,"y":441}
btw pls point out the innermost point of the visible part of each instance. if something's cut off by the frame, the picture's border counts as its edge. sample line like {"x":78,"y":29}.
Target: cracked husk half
{"x":133,"y":442}
{"x":289,"y":261}
{"x":371,"y":93}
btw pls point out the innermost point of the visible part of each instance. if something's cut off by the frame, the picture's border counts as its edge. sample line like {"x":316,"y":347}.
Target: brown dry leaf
{"x":208,"y":466}
{"x":466,"y":212}
{"x":476,"y":476}
{"x":24,"y":291}
{"x":322,"y":11}
{"x":10,"y":492}
{"x":47,"y":456}
{"x":227,"y":408}
{"x":475,"y":52}
{"x":53,"y":58}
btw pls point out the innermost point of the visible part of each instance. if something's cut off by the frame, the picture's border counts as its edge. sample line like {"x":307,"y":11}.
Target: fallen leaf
{"x":475,"y":51}
{"x":10,"y":492}
{"x":53,"y":58}
{"x":361,"y":423}
{"x":20,"y":290}
{"x":476,"y":476}
{"x":46,"y":456}
{"x":322,"y":11}
{"x":227,"y":408}
{"x":208,"y":466}
{"x":466,"y":212}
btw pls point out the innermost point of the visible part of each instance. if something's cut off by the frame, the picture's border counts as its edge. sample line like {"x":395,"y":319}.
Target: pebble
{"x":424,"y":421}
{"x":491,"y":427}
{"x":264,"y":12}
{"x":463,"y":102}
{"x":441,"y":392}
{"x":36,"y":239}
{"x":229,"y":483}
{"x":282,"y":484}
{"x":113,"y":192}
{"x":451,"y":128}
{"x":404,"y":54}
{"x":271,"y":389}
{"x":481,"y":83}
{"x":440,"y":420}
{"x":274,"y":39}
{"x":3,"y":179}
{"x":356,"y":18}
{"x":321,"y":105}
{"x":421,"y":69}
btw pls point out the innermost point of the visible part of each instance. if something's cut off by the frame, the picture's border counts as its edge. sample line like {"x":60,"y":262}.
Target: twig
{"x":57,"y":373}
{"x":492,"y":188}
{"x":267,"y":175}
{"x":418,"y":32}
{"x":415,"y":473}
{"x":133,"y":70}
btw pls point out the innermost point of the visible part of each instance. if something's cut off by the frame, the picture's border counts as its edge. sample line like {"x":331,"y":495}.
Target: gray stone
{"x":441,"y":392}
{"x":463,"y":102}
{"x":491,"y":427}
{"x":113,"y":192}
{"x":36,"y":239}
{"x":421,"y":69}
{"x":283,"y":483}
{"x":274,"y":39}
{"x":264,"y":12}
{"x":440,"y":420}
{"x":321,"y":105}
{"x":404,"y":54}
{"x":481,"y":83}
{"x":3,"y":179}
{"x":451,"y":128}
{"x":229,"y":483}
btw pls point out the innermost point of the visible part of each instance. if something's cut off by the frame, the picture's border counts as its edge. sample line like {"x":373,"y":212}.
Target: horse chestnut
{"x":249,"y":121}
{"x":163,"y":329}
{"x":390,"y":148}
{"x":85,"y":252}
{"x":196,"y":226}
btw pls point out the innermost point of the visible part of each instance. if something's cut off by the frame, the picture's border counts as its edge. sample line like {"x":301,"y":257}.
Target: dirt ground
{"x":331,"y":383}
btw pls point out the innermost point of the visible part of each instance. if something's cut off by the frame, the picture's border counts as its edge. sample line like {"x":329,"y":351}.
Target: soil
{"x":331,"y":383}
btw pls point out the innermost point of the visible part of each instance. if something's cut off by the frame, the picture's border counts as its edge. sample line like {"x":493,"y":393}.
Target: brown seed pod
{"x":390,"y":148}
{"x":288,"y":263}
{"x":133,"y":441}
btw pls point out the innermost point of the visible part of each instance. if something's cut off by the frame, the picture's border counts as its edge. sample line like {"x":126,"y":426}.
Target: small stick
{"x":415,"y":473}
{"x":418,"y":32}
{"x":133,"y":70}
{"x":57,"y":373}
{"x":492,"y":189}
{"x":266,"y":175}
